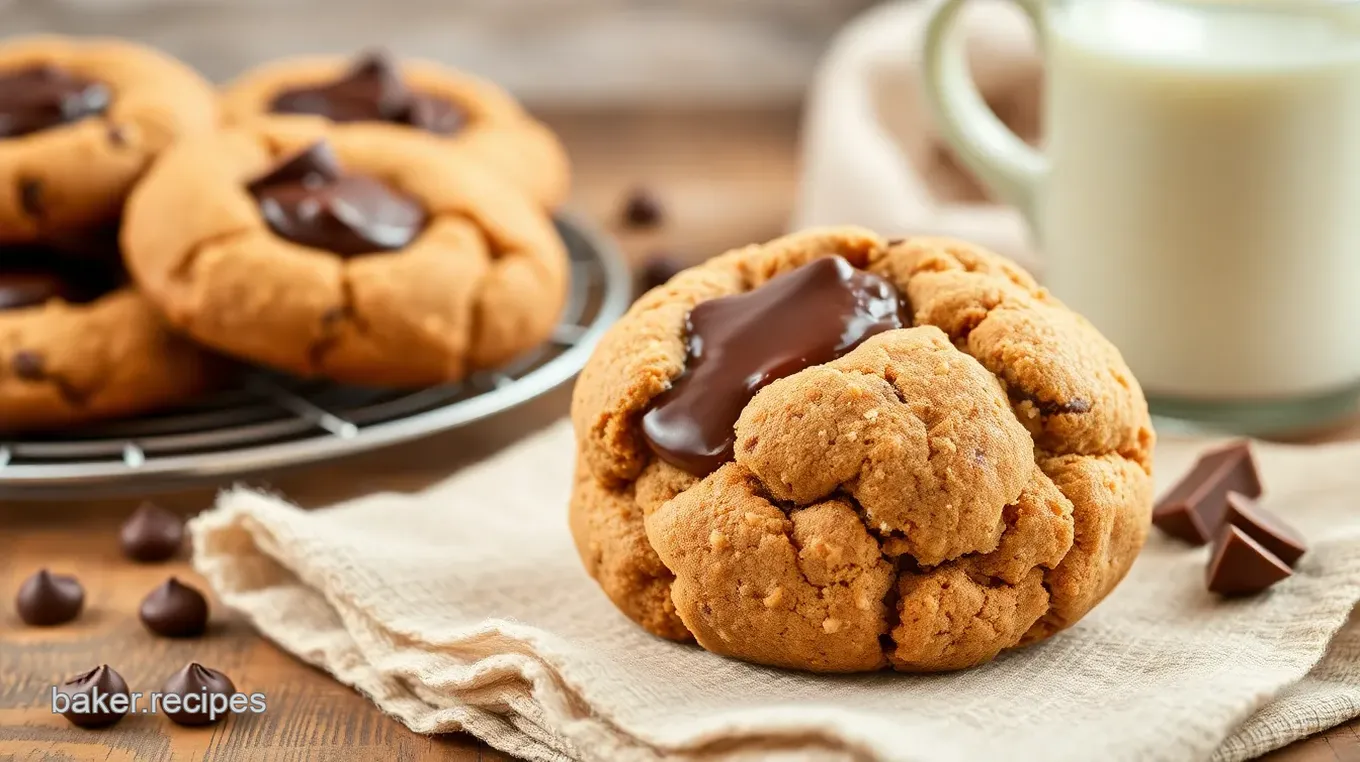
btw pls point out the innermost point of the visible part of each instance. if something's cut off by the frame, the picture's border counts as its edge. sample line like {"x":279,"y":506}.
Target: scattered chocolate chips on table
{"x":1240,"y":566}
{"x":1267,"y":529}
{"x":1195,"y":507}
{"x":47,"y":599}
{"x":657,"y":269}
{"x":151,"y":534}
{"x":175,"y":610}
{"x":196,"y":679}
{"x":91,"y":698}
{"x":642,"y":209}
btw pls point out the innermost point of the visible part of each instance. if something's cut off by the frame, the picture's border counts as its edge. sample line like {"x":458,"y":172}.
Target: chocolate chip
{"x":1049,"y":408}
{"x":1266,"y":528}
{"x":151,"y":534}
{"x":658,"y":269}
{"x":31,"y":197}
{"x":1194,"y":509}
{"x":175,"y":610}
{"x":372,"y":90}
{"x":42,"y":96}
{"x":194,"y":685}
{"x":642,"y":209}
{"x":1240,"y":566}
{"x":736,"y":345}
{"x":28,"y":365}
{"x":896,"y":241}
{"x":118,"y":135}
{"x":47,"y":599}
{"x":96,"y":699}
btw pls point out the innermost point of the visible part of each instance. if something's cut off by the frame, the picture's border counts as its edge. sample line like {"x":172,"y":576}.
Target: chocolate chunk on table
{"x":90,"y":698}
{"x":175,"y":610}
{"x":46,"y":599}
{"x":1240,"y":566}
{"x":151,"y":534}
{"x":1197,"y":505}
{"x":1265,"y":528}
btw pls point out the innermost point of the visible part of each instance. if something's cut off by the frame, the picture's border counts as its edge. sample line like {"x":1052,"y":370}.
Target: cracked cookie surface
{"x":496,"y":130}
{"x":76,"y":174}
{"x":63,"y":364}
{"x":939,"y":493}
{"x":483,"y":281}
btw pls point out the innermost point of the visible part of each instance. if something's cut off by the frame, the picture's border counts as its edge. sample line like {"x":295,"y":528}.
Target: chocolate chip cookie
{"x":78,"y":344}
{"x":362,"y":256}
{"x":836,"y":453}
{"x":80,"y":120}
{"x":460,"y":113}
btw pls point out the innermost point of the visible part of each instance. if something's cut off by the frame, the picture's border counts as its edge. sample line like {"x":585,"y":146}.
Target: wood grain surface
{"x":724,"y":179}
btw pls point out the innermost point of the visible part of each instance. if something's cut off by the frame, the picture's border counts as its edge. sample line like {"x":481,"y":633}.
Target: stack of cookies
{"x":368,"y":222}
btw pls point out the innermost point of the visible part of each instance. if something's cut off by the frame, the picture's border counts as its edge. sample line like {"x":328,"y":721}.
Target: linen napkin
{"x":872,"y":154}
{"x":464,"y":607}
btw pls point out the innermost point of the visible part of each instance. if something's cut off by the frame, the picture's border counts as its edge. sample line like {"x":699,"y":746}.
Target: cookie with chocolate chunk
{"x":834,"y":453}
{"x":77,"y":344}
{"x":458,"y":113}
{"x":359,"y":256}
{"x":80,"y":120}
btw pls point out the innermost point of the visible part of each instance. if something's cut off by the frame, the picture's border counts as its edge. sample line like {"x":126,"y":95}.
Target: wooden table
{"x":725,"y":180}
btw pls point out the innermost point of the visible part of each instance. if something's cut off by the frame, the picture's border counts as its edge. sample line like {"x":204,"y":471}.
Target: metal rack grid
{"x":271,"y":421}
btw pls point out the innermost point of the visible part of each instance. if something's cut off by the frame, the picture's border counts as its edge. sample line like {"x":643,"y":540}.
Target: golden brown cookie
{"x":457,"y":111}
{"x":366,"y":257}
{"x":77,"y":344}
{"x":80,"y":120}
{"x":836,"y":453}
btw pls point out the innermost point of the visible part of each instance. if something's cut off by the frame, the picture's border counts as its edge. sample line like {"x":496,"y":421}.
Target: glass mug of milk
{"x":1198,"y":196}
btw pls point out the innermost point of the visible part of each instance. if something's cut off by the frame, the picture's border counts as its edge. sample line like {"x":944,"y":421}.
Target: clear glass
{"x":1202,"y":206}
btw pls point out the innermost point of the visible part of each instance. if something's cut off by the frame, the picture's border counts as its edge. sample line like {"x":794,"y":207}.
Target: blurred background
{"x":552,"y":53}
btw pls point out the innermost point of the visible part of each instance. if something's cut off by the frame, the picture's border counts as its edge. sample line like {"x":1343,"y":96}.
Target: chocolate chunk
{"x":31,"y":197}
{"x":1240,"y":566}
{"x":658,"y":269}
{"x":307,"y":199}
{"x":195,"y":685}
{"x":47,"y":599}
{"x":642,"y":209}
{"x":373,"y":91}
{"x":1195,"y":507}
{"x":96,"y":699}
{"x":1265,"y":528}
{"x":118,"y":135}
{"x":151,"y":534}
{"x":736,"y":345}
{"x":43,"y":96}
{"x":30,"y":289}
{"x":28,"y":365}
{"x":175,"y":610}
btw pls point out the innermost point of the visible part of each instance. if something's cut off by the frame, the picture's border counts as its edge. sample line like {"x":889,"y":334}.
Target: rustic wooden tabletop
{"x":724,"y":179}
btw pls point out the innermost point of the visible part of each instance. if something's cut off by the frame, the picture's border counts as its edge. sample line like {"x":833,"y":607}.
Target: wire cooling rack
{"x":270,"y":421}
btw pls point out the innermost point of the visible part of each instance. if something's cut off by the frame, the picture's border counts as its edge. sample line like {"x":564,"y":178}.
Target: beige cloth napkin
{"x":464,"y":607}
{"x":872,"y":155}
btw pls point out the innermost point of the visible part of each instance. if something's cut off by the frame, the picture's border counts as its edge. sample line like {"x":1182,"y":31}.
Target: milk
{"x":1202,"y":200}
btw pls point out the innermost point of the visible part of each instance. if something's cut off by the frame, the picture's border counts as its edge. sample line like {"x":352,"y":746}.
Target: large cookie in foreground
{"x":363,"y":257}
{"x":835,"y":453}
{"x":457,"y":112}
{"x":80,"y":120}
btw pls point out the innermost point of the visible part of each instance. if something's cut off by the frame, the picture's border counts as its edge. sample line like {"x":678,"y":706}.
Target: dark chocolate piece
{"x":47,"y":599}
{"x":175,"y":610}
{"x":736,"y":345}
{"x":74,"y":268}
{"x":43,"y":96}
{"x":28,"y":365}
{"x":31,"y":197}
{"x":307,"y":199}
{"x":1195,"y":507}
{"x":195,"y":685}
{"x":30,"y":289}
{"x":658,"y":269}
{"x":90,"y":698}
{"x":642,"y":209}
{"x":1266,"y":528}
{"x":151,"y":534}
{"x":1240,"y":566}
{"x":373,"y":91}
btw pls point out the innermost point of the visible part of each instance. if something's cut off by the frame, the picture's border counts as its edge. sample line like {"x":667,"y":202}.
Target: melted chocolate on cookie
{"x":31,"y":275}
{"x":39,"y":97}
{"x":739,"y":344}
{"x":372,"y":91}
{"x":309,"y":200}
